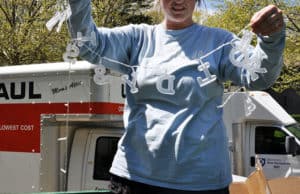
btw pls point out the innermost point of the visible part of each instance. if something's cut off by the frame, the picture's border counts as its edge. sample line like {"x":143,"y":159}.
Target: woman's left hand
{"x":267,"y":21}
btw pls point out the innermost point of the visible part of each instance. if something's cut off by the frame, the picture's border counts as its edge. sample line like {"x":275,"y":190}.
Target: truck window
{"x":295,"y":129}
{"x":269,"y":140}
{"x":106,"y":148}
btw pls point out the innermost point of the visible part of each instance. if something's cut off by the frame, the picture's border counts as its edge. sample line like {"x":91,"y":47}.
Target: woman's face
{"x":178,"y":13}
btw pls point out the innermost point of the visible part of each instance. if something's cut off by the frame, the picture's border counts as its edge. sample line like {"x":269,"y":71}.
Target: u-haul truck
{"x":59,"y":130}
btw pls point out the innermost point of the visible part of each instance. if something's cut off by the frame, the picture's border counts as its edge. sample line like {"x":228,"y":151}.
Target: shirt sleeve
{"x":270,"y":52}
{"x":109,"y":47}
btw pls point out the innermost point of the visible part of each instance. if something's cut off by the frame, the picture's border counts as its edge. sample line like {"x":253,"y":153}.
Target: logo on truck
{"x":18,"y":91}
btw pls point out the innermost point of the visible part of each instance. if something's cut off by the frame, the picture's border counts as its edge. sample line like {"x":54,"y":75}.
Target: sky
{"x":210,"y":5}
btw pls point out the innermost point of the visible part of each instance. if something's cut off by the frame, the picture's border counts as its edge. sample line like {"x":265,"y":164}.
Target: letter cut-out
{"x":71,"y":53}
{"x":209,"y":78}
{"x":81,"y":39}
{"x":100,"y":78}
{"x":254,"y":67}
{"x":170,"y":84}
{"x":249,"y":105}
{"x":132,"y":84}
{"x":239,"y":54}
{"x":244,"y":55}
{"x":59,"y":18}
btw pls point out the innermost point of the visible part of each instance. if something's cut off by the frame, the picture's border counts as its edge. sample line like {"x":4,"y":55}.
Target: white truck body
{"x":59,"y":130}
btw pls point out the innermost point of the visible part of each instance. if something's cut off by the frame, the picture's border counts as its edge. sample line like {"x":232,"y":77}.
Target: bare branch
{"x":293,"y":23}
{"x":6,"y":14}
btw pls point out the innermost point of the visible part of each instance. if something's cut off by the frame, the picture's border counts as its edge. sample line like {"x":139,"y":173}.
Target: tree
{"x":121,"y":12}
{"x":24,"y":38}
{"x":290,"y":78}
{"x":234,"y":15}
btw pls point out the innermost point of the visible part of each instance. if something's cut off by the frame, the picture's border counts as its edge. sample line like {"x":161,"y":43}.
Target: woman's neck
{"x":176,"y":26}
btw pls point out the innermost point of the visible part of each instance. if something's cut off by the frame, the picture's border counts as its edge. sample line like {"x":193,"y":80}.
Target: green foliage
{"x":155,"y":14}
{"x":296,"y":117}
{"x":290,"y":78}
{"x":121,"y":12}
{"x":24,"y":38}
{"x":234,"y":15}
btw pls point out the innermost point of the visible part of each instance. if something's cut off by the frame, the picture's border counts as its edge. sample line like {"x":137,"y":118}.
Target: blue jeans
{"x":120,"y":185}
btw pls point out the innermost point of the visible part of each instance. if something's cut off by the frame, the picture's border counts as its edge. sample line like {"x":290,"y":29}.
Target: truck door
{"x":103,"y":146}
{"x":268,"y":142}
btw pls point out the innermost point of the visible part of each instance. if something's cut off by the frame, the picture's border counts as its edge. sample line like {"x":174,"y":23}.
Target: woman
{"x":175,"y":140}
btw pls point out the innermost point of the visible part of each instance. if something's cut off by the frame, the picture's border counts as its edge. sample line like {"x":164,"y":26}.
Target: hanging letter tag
{"x":99,"y":77}
{"x":249,"y":105}
{"x":80,"y":39}
{"x":208,"y":77}
{"x":131,"y":84}
{"x":59,"y":18}
{"x":71,"y":53}
{"x":170,"y":80}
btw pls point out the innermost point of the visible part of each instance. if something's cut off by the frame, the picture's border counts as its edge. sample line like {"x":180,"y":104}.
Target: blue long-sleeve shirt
{"x":175,"y":140}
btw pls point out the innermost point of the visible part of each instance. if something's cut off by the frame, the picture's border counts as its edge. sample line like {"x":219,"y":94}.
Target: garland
{"x":242,"y":55}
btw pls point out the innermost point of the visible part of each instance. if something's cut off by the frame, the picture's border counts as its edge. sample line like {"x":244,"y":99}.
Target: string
{"x":136,"y":66}
{"x":109,"y":59}
{"x":242,"y":56}
{"x":218,"y":48}
{"x":241,"y":31}
{"x":229,"y":97}
{"x":64,"y":13}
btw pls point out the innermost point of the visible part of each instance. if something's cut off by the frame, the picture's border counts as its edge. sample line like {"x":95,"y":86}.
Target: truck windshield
{"x":295,"y":129}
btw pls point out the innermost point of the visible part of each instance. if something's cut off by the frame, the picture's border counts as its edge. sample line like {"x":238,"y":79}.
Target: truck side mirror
{"x":290,"y":145}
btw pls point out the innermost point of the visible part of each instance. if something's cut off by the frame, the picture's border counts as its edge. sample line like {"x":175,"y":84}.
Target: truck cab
{"x":101,"y":146}
{"x":272,"y":145}
{"x":269,"y":132}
